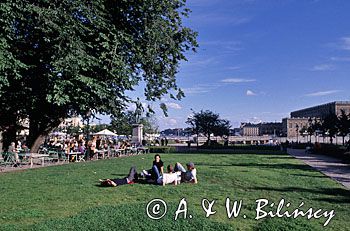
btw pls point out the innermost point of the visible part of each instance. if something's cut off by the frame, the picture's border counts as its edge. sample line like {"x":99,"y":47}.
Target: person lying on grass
{"x":170,"y":177}
{"x":130,"y":179}
{"x":189,"y":176}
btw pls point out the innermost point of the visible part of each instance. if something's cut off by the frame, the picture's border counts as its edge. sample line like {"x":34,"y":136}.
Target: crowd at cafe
{"x":65,"y":148}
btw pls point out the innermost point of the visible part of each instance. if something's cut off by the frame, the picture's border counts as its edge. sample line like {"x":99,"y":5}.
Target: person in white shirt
{"x":170,"y":177}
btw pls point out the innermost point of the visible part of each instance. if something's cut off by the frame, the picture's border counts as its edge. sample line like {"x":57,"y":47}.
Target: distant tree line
{"x":330,"y":126}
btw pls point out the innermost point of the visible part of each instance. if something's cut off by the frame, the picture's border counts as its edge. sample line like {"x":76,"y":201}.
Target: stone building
{"x":292,"y":126}
{"x":73,"y":122}
{"x":270,"y":129}
{"x":321,"y":111}
{"x":300,"y":118}
{"x":249,"y":129}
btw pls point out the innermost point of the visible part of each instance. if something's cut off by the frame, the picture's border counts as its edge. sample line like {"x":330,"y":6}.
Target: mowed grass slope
{"x":68,"y":197}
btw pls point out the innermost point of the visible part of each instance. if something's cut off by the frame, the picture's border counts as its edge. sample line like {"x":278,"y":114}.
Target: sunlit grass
{"x":67,"y":197}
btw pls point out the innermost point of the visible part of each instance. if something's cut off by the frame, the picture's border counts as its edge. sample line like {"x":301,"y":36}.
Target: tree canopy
{"x":72,"y":57}
{"x":207,"y":123}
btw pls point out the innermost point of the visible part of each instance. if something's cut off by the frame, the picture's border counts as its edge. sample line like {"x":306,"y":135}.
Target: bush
{"x":300,"y":145}
{"x":333,"y":151}
{"x":330,"y":149}
{"x":242,"y":147}
{"x":162,"y":149}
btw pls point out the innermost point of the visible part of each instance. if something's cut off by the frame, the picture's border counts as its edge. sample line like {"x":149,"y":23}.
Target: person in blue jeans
{"x":157,"y":169}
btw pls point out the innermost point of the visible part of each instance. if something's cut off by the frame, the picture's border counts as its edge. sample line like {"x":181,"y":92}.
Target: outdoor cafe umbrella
{"x":105,"y":132}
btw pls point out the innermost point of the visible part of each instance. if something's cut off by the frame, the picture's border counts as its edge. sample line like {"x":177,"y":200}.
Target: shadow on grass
{"x":281,"y":157}
{"x":305,"y":175}
{"x":140,"y":181}
{"x":256,"y":165}
{"x":231,"y":152}
{"x":340,"y":195}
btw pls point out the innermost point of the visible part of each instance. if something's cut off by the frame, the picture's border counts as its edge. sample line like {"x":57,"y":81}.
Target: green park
{"x":68,"y":197}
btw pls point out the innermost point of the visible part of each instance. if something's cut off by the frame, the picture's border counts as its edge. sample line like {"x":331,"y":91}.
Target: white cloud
{"x":237,"y":80}
{"x":132,"y":106}
{"x":168,"y":122}
{"x":345,"y":43}
{"x":201,"y":88}
{"x":322,"y":93}
{"x":323,"y":67}
{"x":250,"y":93}
{"x":230,"y":46}
{"x":173,"y":106}
{"x":255,"y":120}
{"x":342,"y":43}
{"x":196,"y":90}
{"x":199,"y":62}
{"x":341,"y":59}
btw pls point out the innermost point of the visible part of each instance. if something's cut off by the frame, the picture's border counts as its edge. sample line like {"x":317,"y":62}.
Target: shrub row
{"x":242,"y":147}
{"x":332,"y":150}
{"x":162,"y":149}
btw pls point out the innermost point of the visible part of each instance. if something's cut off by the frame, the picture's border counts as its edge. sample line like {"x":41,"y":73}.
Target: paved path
{"x":329,"y":166}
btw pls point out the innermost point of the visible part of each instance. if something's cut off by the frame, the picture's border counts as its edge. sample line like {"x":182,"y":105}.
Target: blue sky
{"x":259,"y":60}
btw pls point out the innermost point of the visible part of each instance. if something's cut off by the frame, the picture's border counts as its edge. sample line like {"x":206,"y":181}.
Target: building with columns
{"x":300,"y":118}
{"x":321,"y":111}
{"x":249,"y":129}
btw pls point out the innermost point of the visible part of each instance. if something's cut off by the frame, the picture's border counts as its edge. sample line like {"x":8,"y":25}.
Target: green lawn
{"x":67,"y":197}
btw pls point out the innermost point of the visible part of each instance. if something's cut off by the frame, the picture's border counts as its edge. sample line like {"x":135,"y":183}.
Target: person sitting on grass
{"x":170,"y":177}
{"x":189,"y":176}
{"x":130,"y":179}
{"x":157,"y":169}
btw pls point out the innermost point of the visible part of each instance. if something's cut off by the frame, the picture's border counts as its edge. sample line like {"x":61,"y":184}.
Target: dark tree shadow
{"x":340,"y":195}
{"x":266,"y":166}
{"x":305,"y":175}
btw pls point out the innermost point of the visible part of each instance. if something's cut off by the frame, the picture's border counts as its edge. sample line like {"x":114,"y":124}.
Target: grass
{"x":67,"y":197}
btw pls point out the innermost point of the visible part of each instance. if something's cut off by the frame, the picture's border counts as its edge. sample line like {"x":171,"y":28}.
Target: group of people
{"x":89,"y":148}
{"x":173,"y":175}
{"x":21,"y":147}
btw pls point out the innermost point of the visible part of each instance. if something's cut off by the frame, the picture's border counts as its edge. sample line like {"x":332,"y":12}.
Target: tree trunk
{"x":38,"y":141}
{"x":8,"y":136}
{"x":39,"y":131}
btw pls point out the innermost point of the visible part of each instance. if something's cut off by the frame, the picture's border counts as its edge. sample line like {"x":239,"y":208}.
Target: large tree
{"x":343,"y":125}
{"x":71,"y":57}
{"x":329,"y":126}
{"x":208,"y":122}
